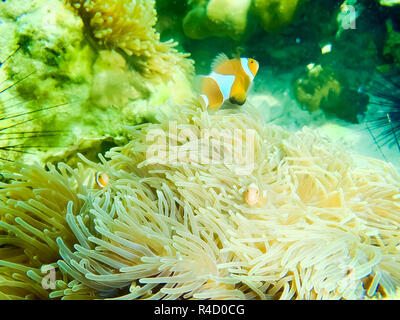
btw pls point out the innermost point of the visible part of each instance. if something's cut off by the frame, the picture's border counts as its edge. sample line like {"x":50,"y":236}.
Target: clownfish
{"x":102,"y":180}
{"x":253,"y":196}
{"x":229,"y":80}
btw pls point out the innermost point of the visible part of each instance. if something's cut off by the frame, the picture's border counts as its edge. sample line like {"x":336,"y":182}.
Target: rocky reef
{"x":322,"y":89}
{"x":104,"y":79}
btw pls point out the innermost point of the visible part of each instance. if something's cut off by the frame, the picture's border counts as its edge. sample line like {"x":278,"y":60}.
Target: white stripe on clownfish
{"x":245,"y":65}
{"x":102,"y":180}
{"x":224,"y":82}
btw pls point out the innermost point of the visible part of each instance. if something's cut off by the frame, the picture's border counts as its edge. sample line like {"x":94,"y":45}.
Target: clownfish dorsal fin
{"x":218,"y":60}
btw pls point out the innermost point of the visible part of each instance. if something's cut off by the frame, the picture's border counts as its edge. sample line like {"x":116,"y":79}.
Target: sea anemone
{"x":128,"y":27}
{"x":172,"y":221}
{"x":31,"y":220}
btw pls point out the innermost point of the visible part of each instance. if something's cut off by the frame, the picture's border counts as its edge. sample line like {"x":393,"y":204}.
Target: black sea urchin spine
{"x":385,"y":123}
{"x":15,"y":139}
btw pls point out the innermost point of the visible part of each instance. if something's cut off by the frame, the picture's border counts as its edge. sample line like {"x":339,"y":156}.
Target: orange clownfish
{"x":229,"y":80}
{"x":102,"y":180}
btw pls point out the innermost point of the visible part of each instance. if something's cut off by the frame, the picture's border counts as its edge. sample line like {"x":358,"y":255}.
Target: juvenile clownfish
{"x":229,"y":80}
{"x":102,"y":180}
{"x":253,"y":195}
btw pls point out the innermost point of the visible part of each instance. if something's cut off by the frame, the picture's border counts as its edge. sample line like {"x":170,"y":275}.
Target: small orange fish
{"x":102,"y":180}
{"x":229,"y":80}
{"x":253,"y":196}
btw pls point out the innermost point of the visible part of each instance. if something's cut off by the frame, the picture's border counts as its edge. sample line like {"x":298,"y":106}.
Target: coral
{"x":389,"y":3}
{"x":321,"y":88}
{"x":317,"y":86}
{"x":162,"y":228}
{"x":275,"y":14}
{"x":220,"y":18}
{"x":53,"y":49}
{"x":230,"y":19}
{"x":232,"y":14}
{"x":391,"y":49}
{"x":128,"y":26}
{"x":169,"y":19}
{"x":51,"y":68}
{"x":113,"y":83}
{"x":196,"y":24}
{"x":98,"y":90}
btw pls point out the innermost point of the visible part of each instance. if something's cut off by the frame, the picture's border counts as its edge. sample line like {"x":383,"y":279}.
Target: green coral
{"x":220,"y":18}
{"x":275,"y":14}
{"x":322,"y":89}
{"x":389,"y":3}
{"x":231,"y":19}
{"x":58,"y":59}
{"x":317,"y":85}
{"x":391,"y":49}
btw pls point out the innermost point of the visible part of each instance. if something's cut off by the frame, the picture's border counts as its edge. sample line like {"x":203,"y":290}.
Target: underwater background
{"x":86,"y":86}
